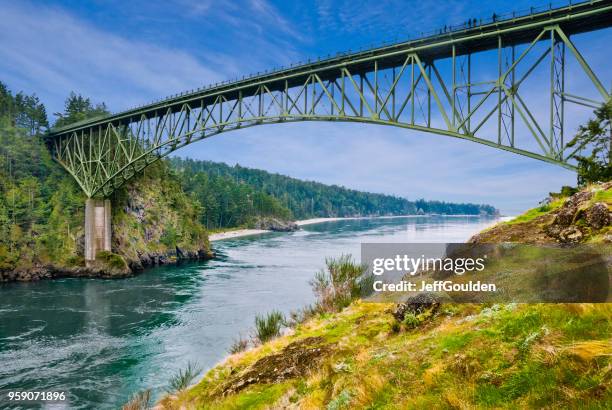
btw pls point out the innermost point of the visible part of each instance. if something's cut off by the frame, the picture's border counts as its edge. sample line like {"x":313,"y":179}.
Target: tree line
{"x":225,"y":190}
{"x":40,"y":206}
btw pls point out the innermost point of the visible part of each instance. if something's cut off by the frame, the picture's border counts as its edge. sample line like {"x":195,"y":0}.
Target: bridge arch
{"x":145,"y":158}
{"x":403,"y":85}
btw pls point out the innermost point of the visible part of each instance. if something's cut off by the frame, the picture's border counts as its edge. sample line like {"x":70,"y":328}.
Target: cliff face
{"x":155,"y":222}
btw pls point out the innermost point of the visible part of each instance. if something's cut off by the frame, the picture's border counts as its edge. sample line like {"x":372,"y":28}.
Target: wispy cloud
{"x":271,"y":16}
{"x":252,"y":27}
{"x":49,"y":51}
{"x":388,"y":19}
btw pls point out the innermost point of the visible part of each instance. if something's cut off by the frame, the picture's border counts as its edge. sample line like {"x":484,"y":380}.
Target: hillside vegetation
{"x":432,"y":355}
{"x":461,"y":356}
{"x":233,"y":195}
{"x":568,"y":217}
{"x":42,"y":208}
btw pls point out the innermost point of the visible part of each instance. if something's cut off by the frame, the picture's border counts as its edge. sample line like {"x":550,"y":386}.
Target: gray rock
{"x":578,"y":199}
{"x":273,"y":224}
{"x":416,"y":304}
{"x":571,"y":234}
{"x":598,"y":215}
{"x":553,"y":231}
{"x":565,"y":216}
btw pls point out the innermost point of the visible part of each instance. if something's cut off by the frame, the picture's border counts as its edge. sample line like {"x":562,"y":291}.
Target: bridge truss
{"x":475,"y":84}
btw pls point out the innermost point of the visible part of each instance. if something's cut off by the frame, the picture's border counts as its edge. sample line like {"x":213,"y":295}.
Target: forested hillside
{"x":230,"y":194}
{"x":42,"y":207}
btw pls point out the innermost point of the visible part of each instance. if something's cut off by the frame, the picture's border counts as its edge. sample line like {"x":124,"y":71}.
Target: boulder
{"x":553,"y":230}
{"x":598,"y":215}
{"x":416,"y":304}
{"x":571,"y":234}
{"x":578,"y":199}
{"x":565,"y":216}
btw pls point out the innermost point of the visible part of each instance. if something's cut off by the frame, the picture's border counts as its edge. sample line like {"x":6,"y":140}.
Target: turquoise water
{"x":103,"y":340}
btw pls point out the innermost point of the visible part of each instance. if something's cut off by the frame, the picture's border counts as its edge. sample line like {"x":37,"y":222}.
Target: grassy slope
{"x":501,"y":356}
{"x":466,"y":356}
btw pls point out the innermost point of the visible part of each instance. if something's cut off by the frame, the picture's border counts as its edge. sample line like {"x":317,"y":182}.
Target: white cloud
{"x":49,"y":51}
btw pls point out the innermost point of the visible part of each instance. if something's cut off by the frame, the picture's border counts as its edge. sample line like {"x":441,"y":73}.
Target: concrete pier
{"x":97,"y":227}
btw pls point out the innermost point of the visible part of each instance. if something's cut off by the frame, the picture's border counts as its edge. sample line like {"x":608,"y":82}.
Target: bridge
{"x":470,"y":82}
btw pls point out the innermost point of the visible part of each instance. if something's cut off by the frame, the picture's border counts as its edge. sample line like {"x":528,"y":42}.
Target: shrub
{"x":268,"y":327}
{"x":411,"y":320}
{"x":342,"y":281}
{"x":595,"y":134}
{"x":239,"y":345}
{"x":112,"y":260}
{"x":139,"y":401}
{"x":184,"y":377}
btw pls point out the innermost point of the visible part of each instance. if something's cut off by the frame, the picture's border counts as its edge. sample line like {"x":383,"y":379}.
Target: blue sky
{"x":128,"y":53}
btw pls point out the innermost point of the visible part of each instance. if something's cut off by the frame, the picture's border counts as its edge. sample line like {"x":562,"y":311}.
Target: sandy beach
{"x":317,"y":221}
{"x":235,"y":234}
{"x":238,"y":233}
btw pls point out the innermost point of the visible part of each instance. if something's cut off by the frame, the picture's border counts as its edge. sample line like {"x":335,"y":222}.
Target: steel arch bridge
{"x":469,"y":82}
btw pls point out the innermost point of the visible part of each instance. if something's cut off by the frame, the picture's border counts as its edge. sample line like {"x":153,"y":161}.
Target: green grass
{"x":258,"y":397}
{"x":537,"y":212}
{"x":455,"y":342}
{"x":603,"y":196}
{"x":502,"y":356}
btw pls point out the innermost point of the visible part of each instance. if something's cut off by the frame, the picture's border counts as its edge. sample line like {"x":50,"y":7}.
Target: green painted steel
{"x":405,"y":85}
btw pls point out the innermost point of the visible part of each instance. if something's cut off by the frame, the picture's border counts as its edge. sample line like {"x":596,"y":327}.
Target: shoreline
{"x":240,"y":233}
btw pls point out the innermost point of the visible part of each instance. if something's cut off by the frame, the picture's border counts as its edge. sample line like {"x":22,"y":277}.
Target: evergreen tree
{"x":23,"y":111}
{"x":78,"y":108}
{"x":596,"y":135}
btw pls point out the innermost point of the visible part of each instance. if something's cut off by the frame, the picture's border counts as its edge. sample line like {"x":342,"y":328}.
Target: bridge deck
{"x":573,"y":18}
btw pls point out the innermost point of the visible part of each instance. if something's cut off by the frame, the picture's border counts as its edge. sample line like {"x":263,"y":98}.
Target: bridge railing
{"x":427,"y":35}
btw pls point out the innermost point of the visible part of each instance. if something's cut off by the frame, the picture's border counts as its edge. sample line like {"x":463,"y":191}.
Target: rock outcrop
{"x":154,"y":223}
{"x":274,"y":224}
{"x":577,"y":219}
{"x":598,"y":215}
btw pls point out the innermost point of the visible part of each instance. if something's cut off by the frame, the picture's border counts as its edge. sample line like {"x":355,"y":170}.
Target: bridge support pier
{"x":97,"y":228}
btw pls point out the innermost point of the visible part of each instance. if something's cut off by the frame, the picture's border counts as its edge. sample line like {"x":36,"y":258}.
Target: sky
{"x":129,"y":53}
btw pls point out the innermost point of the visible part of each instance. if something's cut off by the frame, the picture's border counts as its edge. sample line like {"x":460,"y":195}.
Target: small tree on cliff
{"x":78,"y":108}
{"x":597,"y":134}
